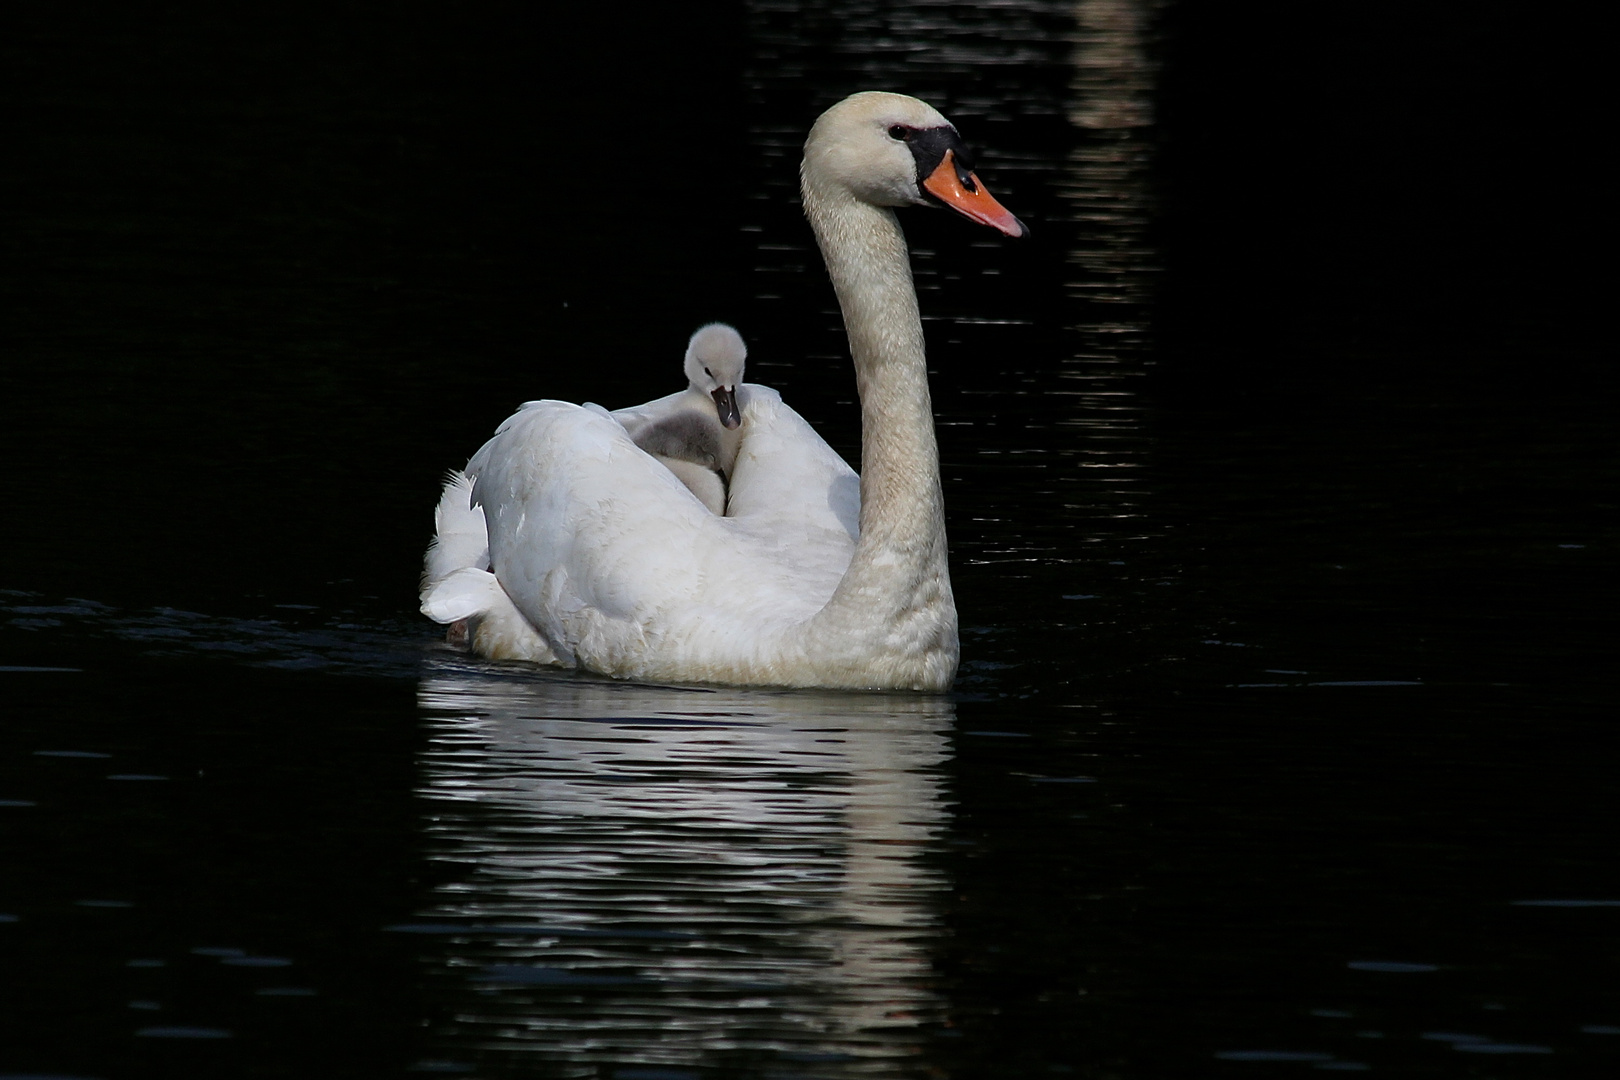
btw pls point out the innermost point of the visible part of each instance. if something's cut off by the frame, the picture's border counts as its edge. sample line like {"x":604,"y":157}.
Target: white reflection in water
{"x":1106,"y":181}
{"x":1113,"y":78}
{"x":724,"y":874}
{"x":1113,"y":262}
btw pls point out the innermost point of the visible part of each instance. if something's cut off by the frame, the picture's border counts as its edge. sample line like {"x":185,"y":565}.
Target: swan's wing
{"x":787,"y":476}
{"x":624,"y":571}
{"x":596,"y":543}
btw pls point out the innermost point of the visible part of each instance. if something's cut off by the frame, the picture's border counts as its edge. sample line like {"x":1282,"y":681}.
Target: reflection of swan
{"x":619,"y":571}
{"x":738,"y":869}
{"x":694,"y":433}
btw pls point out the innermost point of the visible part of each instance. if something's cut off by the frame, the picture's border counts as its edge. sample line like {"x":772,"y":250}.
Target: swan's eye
{"x":900,"y":131}
{"x":709,"y":373}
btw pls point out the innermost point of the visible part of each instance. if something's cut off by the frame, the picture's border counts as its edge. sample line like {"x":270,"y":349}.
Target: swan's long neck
{"x":898,"y":582}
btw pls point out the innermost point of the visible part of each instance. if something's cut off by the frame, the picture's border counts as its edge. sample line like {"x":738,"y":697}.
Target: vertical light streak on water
{"x":1112,"y":263}
{"x":682,"y":878}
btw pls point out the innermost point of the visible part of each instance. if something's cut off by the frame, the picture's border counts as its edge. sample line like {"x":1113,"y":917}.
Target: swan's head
{"x":893,"y":150}
{"x":714,"y":366}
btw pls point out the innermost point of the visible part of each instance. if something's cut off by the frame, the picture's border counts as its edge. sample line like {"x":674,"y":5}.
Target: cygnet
{"x":695,"y":433}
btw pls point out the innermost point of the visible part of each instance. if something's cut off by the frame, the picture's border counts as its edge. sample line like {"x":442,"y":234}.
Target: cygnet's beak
{"x":961,"y":191}
{"x":725,"y":403}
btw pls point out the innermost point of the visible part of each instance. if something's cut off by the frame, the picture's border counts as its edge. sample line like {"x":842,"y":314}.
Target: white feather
{"x":460,"y":538}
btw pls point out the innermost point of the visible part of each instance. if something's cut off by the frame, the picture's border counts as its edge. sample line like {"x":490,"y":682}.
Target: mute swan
{"x":598,"y":558}
{"x":694,"y":434}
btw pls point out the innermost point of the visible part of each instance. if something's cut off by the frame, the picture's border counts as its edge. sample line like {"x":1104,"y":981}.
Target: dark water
{"x":1281,"y":486}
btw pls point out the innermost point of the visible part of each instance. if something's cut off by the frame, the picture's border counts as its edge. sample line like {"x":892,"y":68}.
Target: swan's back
{"x":617,"y":563}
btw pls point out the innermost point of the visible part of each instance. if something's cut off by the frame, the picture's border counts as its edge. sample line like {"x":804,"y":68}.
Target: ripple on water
{"x":518,"y":974}
{"x":1482,"y":1044}
{"x":1396,"y":967}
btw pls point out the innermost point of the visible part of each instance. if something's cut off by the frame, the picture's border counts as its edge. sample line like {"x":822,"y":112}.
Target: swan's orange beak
{"x":725,"y":403}
{"x":964,"y":193}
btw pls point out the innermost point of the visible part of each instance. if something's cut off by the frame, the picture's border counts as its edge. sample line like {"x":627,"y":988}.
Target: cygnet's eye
{"x":709,"y":373}
{"x":900,"y":131}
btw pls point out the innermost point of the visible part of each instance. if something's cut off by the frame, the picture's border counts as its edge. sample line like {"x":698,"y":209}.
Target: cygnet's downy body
{"x":695,"y":434}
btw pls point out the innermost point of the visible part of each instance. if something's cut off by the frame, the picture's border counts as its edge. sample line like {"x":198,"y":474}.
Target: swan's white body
{"x":598,"y":557}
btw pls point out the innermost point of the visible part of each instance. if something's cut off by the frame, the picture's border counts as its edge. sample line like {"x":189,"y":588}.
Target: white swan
{"x":694,"y":434}
{"x":598,"y":557}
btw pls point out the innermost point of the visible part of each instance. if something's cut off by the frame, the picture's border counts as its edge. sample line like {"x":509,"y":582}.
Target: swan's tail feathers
{"x":464,"y":594}
{"x":483,"y":616}
{"x":461,"y":539}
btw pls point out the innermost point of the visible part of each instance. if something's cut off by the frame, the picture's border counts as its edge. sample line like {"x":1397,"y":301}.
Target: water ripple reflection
{"x":1112,"y":262}
{"x":682,"y":877}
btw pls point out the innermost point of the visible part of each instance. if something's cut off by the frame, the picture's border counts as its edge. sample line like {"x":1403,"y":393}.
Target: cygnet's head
{"x":714,"y":366}
{"x":893,"y":150}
